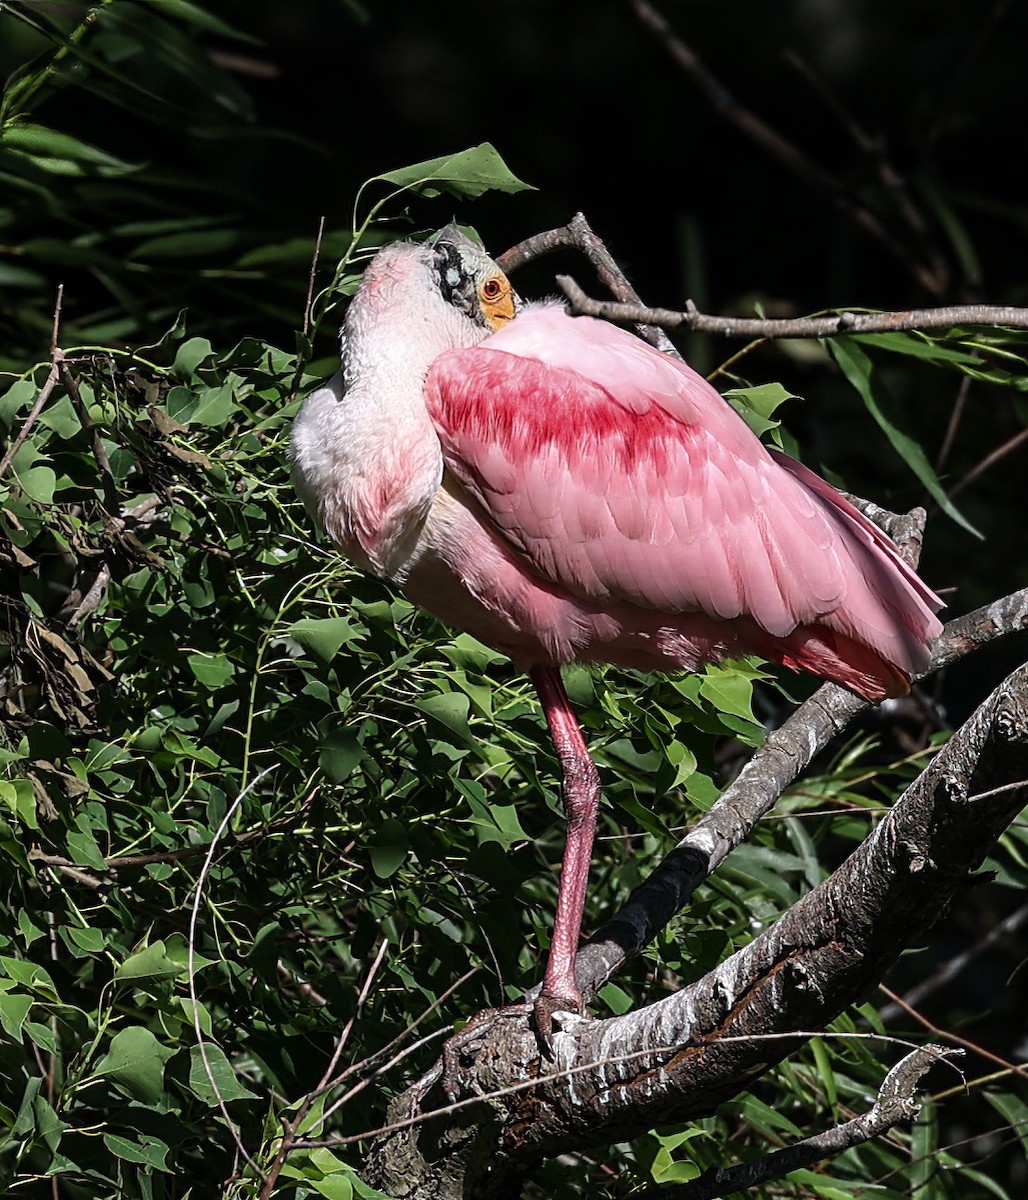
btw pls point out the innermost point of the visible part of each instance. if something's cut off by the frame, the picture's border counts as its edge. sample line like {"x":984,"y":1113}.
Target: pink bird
{"x":565,"y":493}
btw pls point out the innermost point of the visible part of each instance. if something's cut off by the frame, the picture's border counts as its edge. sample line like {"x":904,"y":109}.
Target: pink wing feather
{"x":619,"y":474}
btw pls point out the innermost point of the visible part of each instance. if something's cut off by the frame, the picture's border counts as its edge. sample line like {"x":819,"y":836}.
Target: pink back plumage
{"x":618,"y":474}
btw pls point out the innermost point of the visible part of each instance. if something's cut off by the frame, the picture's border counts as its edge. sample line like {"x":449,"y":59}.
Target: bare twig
{"x":578,"y":235}
{"x":125,"y":862}
{"x":191,"y":965}
{"x":95,"y":440}
{"x":990,"y":460}
{"x":894,"y":1105}
{"x":310,"y":278}
{"x":44,"y":392}
{"x":91,"y":600}
{"x":728,"y":106}
{"x":950,"y":970}
{"x":839,"y":324}
{"x":953,"y":424}
{"x":291,"y":1124}
{"x":936,"y":1031}
{"x":874,"y":150}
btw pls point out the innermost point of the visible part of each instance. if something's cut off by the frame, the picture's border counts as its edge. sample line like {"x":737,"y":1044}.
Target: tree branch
{"x":839,"y":325}
{"x":786,"y":752}
{"x":729,"y":107}
{"x":679,"y":1058}
{"x":578,"y":235}
{"x":894,"y":1105}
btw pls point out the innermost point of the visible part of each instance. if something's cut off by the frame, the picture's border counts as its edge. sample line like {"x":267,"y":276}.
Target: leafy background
{"x":248,"y":750}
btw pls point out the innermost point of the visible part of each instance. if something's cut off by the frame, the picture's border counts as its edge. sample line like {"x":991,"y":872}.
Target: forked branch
{"x":894,"y":1105}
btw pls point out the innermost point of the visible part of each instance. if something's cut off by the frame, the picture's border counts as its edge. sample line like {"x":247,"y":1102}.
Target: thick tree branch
{"x":837,"y":325}
{"x":894,"y":1105}
{"x":680,"y":1057}
{"x":786,"y":752}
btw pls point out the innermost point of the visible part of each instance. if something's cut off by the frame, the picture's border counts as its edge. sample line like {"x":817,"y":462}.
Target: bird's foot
{"x":544,"y":1010}
{"x":466,"y":1038}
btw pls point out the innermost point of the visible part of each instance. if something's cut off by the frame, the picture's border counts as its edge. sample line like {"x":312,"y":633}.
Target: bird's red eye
{"x":492,"y":289}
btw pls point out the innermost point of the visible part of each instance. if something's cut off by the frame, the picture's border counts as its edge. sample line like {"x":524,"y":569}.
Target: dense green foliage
{"x":235,"y":770}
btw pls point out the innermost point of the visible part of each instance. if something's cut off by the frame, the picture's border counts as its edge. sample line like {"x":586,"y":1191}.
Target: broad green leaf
{"x":19,"y":797}
{"x":49,"y":1125}
{"x":859,"y":370}
{"x":190,"y":356}
{"x":340,"y":753}
{"x":323,"y":635}
{"x":83,"y":849}
{"x":149,"y":963}
{"x":387,"y":848}
{"x":14,"y":1007}
{"x":91,"y":940}
{"x":729,"y":692}
{"x":148,"y":1151}
{"x":450,"y":709}
{"x":39,"y":483}
{"x":18,"y":397}
{"x":213,"y":406}
{"x":333,"y":1187}
{"x":135,"y":1062}
{"x":756,"y":404}
{"x":216,"y":1078}
{"x":468,"y":174}
{"x":212,"y":670}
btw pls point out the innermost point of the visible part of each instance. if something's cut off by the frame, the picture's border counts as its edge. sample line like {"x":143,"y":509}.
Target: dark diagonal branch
{"x":956,"y":965}
{"x":787,"y":751}
{"x":836,"y":325}
{"x":895,"y":1105}
{"x":732,"y":110}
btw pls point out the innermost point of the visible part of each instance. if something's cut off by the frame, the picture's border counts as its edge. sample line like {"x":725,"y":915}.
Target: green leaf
{"x":212,"y":670}
{"x":1013,"y":1109}
{"x":14,"y":1007}
{"x":148,"y":1151}
{"x":323,"y":635}
{"x":83,"y":850}
{"x":340,"y":753}
{"x":221,"y":1080}
{"x":729,"y":691}
{"x":451,"y":710}
{"x":135,"y":1062}
{"x":333,"y":1187}
{"x":387,"y":848}
{"x":149,"y":963}
{"x":756,"y":404}
{"x":60,"y":153}
{"x":189,"y":357}
{"x":467,"y":175}
{"x":858,"y":369}
{"x":38,"y":483}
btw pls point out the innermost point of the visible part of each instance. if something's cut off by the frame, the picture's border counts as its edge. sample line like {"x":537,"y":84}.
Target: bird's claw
{"x":466,"y":1037}
{"x":543,"y":1012}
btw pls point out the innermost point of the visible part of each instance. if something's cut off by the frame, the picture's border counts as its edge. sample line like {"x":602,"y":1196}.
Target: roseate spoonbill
{"x":564,"y":492}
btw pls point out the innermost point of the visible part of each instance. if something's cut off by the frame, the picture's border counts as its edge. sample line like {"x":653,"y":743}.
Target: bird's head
{"x":470,"y":281}
{"x":420,"y":299}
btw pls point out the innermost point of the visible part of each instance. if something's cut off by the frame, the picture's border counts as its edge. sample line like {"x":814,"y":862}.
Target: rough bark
{"x":679,"y":1058}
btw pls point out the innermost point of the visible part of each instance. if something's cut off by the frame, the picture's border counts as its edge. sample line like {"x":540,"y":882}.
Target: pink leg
{"x":581,"y":794}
